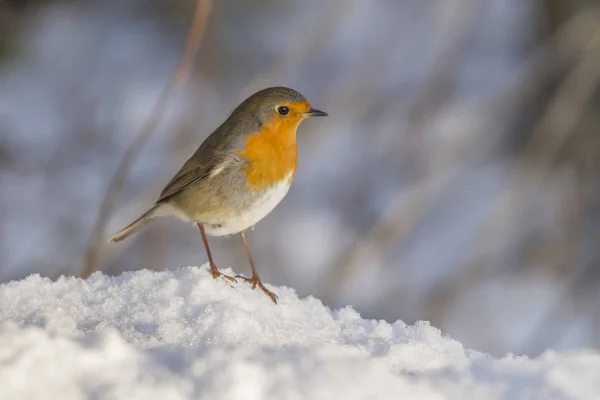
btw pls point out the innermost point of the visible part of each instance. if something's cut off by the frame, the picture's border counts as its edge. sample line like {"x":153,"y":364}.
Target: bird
{"x":238,"y":175}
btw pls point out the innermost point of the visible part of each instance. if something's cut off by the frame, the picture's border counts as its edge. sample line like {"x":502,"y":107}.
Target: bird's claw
{"x":214,"y":271}
{"x":255,"y":281}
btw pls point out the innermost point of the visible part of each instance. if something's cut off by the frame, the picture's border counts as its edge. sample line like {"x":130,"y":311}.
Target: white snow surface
{"x":182,"y":335}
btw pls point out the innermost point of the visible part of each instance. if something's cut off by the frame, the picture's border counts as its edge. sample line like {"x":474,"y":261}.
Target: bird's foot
{"x":255,"y":281}
{"x":214,"y":271}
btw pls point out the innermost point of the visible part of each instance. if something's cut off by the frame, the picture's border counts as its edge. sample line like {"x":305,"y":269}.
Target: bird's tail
{"x":135,"y":225}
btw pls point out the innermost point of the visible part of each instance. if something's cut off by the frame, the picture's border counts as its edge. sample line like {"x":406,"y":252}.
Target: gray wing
{"x":210,"y":155}
{"x":185,"y":177}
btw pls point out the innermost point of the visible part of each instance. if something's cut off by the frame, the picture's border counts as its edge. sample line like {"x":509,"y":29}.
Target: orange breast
{"x":272,"y":153}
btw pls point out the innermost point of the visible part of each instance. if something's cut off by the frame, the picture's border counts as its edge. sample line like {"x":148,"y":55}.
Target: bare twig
{"x":557,"y":52}
{"x":550,"y":133}
{"x":307,"y":44}
{"x":441,"y":78}
{"x":194,"y":37}
{"x":568,"y":305}
{"x":405,"y":211}
{"x":574,"y":94}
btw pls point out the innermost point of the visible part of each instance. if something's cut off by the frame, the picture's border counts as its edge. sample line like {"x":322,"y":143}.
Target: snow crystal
{"x":182,"y":335}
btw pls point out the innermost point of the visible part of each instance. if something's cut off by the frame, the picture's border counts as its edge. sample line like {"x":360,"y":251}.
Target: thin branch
{"x":548,"y":136}
{"x":568,"y":303}
{"x":194,"y":37}
{"x":575,"y":93}
{"x":406,"y":209}
{"x":308,"y":43}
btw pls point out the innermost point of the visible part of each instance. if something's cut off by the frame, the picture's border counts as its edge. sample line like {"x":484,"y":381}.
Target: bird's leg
{"x":214,"y":271}
{"x":255,"y":280}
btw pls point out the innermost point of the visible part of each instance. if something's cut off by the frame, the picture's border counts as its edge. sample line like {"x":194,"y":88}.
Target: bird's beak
{"x":315,"y":113}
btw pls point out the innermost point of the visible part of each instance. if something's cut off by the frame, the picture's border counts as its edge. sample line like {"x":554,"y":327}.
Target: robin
{"x":238,"y":174}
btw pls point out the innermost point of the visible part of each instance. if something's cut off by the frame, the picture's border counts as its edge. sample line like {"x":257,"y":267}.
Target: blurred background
{"x":456,"y":179}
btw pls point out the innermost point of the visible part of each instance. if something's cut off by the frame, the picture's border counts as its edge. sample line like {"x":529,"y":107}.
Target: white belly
{"x":257,"y":211}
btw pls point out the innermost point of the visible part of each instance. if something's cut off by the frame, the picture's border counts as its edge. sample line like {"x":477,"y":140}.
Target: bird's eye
{"x":283,"y":110}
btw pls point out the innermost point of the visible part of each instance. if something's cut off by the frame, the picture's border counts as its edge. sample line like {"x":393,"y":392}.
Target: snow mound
{"x":182,"y":335}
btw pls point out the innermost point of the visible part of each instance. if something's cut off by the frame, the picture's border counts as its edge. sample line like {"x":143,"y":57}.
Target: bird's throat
{"x":271,"y":154}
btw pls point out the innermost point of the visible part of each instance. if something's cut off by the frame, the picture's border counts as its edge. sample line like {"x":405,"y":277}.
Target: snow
{"x":182,"y":335}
